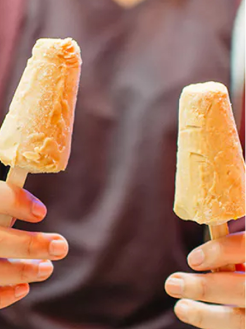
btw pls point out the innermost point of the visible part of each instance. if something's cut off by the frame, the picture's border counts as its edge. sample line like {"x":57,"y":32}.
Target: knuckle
{"x":218,"y":250}
{"x":213,"y":252}
{"x":21,"y":201}
{"x":198,"y":318}
{"x":17,"y":197}
{"x":201,"y":289}
{"x":23,"y":272}
{"x":30,"y":245}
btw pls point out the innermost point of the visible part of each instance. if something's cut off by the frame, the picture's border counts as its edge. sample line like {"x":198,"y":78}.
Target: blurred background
{"x":114,"y":203}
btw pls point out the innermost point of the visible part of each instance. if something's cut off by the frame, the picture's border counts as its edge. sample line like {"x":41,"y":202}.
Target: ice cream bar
{"x":36,"y":134}
{"x":210,"y":177}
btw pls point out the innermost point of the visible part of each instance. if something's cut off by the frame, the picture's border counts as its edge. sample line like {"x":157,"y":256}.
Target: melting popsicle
{"x":36,"y":134}
{"x":210,"y":177}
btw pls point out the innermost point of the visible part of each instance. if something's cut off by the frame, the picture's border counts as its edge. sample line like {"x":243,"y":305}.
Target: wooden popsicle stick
{"x":17,"y":177}
{"x":216,"y":232}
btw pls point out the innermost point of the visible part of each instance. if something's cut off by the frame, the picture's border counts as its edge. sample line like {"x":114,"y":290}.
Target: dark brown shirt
{"x":114,"y":202}
{"x":11,"y":14}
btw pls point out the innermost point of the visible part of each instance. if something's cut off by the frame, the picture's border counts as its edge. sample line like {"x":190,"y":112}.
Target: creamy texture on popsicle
{"x":36,"y":133}
{"x":210,"y":177}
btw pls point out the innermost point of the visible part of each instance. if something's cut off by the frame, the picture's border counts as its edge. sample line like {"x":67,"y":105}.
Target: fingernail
{"x":182,"y":311}
{"x":196,"y":257}
{"x":21,"y":291}
{"x":58,"y":248}
{"x":45,"y":269}
{"x":175,"y":286}
{"x":38,"y":208}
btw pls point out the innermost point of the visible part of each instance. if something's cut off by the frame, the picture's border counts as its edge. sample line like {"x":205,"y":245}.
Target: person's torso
{"x":114,"y":202}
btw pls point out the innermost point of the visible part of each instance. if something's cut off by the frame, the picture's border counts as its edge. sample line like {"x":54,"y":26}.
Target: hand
{"x":24,"y":256}
{"x":223,"y":288}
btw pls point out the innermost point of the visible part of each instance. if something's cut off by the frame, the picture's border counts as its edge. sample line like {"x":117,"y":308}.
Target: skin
{"x":128,"y":3}
{"x":226,"y":290}
{"x":24,"y":256}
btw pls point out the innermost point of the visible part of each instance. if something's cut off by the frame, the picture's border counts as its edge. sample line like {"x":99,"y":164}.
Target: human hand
{"x":24,"y":256}
{"x":226,"y":289}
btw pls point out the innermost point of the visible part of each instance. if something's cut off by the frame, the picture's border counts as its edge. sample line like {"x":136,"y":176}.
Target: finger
{"x":210,"y":316}
{"x":217,"y":253}
{"x":11,"y":295}
{"x":16,"y":272}
{"x":27,"y":245}
{"x":20,"y":204}
{"x":211,"y":287}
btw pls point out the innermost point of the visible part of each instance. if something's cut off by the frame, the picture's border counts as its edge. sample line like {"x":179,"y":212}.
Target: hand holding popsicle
{"x":210,"y":189}
{"x":36,"y":134}
{"x":35,"y":138}
{"x":210,"y":178}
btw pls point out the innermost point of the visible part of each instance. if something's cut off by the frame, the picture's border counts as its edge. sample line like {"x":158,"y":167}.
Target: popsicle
{"x":210,"y":176}
{"x":35,"y":136}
